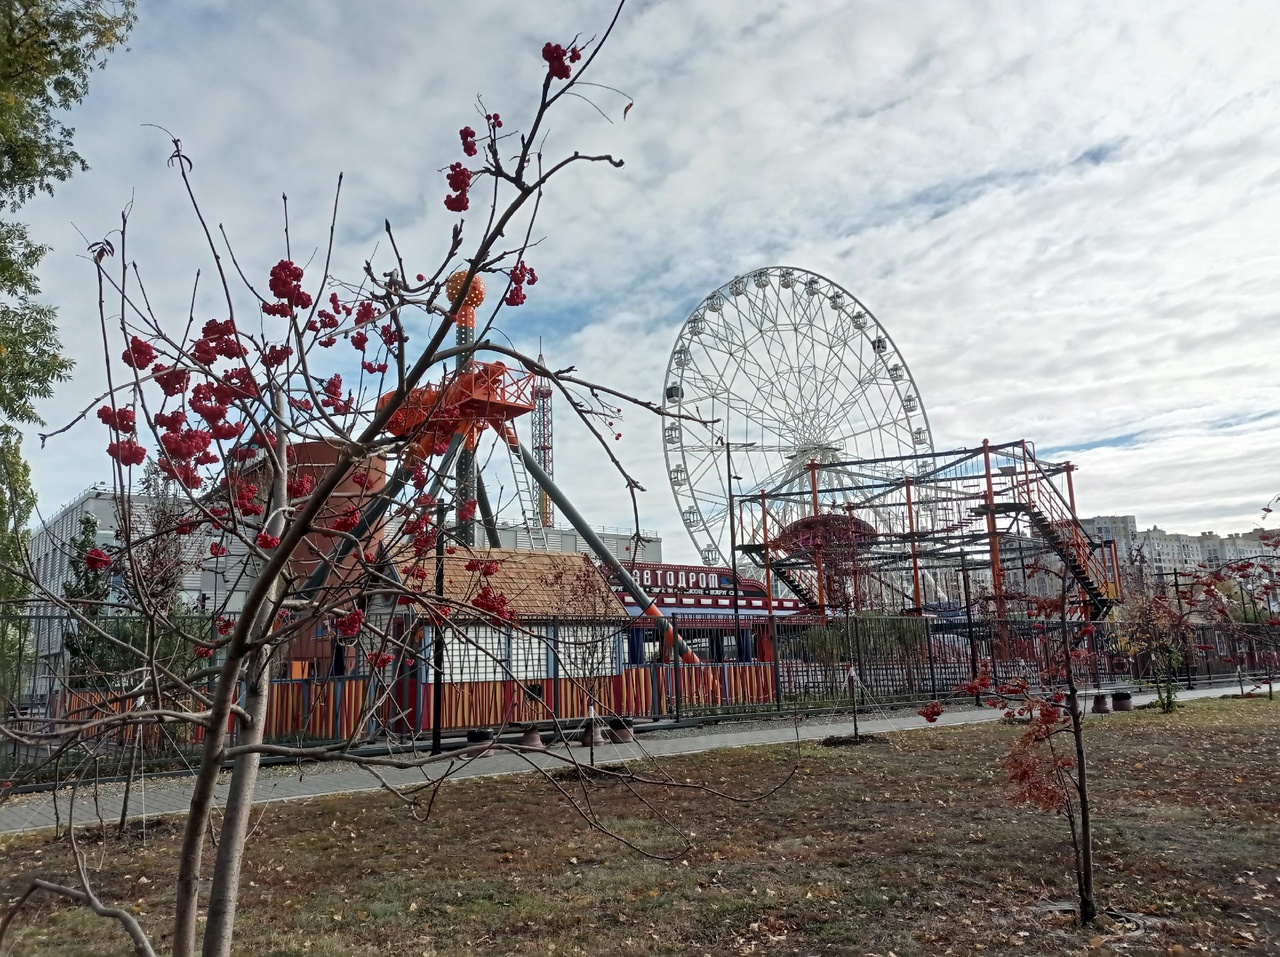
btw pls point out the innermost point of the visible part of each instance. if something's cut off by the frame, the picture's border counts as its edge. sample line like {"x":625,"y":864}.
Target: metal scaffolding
{"x":931,"y":532}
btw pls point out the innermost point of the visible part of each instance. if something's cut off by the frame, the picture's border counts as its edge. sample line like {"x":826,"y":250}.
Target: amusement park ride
{"x":842,"y":505}
{"x":843,"y":499}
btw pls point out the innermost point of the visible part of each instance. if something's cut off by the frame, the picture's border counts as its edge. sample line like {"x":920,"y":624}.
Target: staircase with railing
{"x":1052,"y":518}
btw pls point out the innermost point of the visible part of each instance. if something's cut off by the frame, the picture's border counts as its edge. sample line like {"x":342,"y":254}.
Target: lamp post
{"x":729,"y":479}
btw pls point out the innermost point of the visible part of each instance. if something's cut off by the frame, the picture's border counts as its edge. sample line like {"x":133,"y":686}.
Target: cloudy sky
{"x":1067,"y":215}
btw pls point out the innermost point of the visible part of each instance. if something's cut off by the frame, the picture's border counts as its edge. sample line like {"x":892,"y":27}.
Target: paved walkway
{"x":173,"y":795}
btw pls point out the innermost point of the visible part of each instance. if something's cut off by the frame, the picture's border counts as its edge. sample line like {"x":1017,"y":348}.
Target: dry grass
{"x":905,"y":845}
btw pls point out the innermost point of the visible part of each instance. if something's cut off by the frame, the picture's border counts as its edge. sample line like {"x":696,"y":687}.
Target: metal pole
{"x":733,"y":549}
{"x":768,"y":599}
{"x":437,"y":658}
{"x":857,"y":650}
{"x":1186,"y":653}
{"x":486,"y":513}
{"x":629,"y":584}
{"x":928,"y":650}
{"x":915,"y":563}
{"x":817,"y":551}
{"x":968,"y":623}
{"x":675,"y":674}
{"x":733,"y":537}
{"x":993,"y":538}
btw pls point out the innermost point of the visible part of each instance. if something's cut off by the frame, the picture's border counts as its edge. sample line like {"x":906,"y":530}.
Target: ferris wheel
{"x":786,"y":367}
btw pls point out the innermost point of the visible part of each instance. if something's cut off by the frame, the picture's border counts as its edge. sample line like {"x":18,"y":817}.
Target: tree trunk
{"x":189,"y":860}
{"x":128,"y":781}
{"x":235,"y":823}
{"x":1088,"y":908}
{"x":226,"y":876}
{"x":1084,"y":843}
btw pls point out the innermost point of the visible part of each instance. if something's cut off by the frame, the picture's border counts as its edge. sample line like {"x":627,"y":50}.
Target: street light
{"x":733,"y":533}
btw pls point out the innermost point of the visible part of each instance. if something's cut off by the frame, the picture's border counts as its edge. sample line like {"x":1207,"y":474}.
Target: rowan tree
{"x":225,"y":404}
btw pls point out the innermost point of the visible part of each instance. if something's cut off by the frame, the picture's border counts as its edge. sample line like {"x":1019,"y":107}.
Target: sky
{"x":1066,"y":215}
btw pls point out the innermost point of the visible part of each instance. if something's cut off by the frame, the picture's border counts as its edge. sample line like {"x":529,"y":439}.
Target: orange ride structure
{"x":447,"y":420}
{"x":926,"y":532}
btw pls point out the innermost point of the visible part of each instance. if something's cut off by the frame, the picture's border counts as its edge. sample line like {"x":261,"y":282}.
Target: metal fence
{"x":562,"y":669}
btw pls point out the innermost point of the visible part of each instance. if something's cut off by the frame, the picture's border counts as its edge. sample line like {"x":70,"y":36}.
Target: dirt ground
{"x":906,"y":845}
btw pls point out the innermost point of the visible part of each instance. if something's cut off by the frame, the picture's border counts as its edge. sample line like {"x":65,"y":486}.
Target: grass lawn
{"x":905,"y":845}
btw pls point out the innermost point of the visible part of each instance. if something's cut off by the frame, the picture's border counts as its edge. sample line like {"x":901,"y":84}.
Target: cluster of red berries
{"x":416,"y":525}
{"x":117,"y":420}
{"x":217,"y":549}
{"x":186,"y":525}
{"x":347,"y":520}
{"x":373,"y":368}
{"x":520,"y":275}
{"x":183,"y":472}
{"x":171,"y":379}
{"x":558,"y":59}
{"x":202,"y":651}
{"x":380,"y":659}
{"x":97,"y":560}
{"x":494,"y":120}
{"x":267,"y":542}
{"x":424,"y":542}
{"x":333,"y":399}
{"x":300,"y":486}
{"x":468,"y":136}
{"x":185,"y":444}
{"x":276,"y":356}
{"x":243,"y":495}
{"x":205,"y":404}
{"x":139,"y":354}
{"x":349,"y":625}
{"x":494,"y":604}
{"x":286,"y":285}
{"x":218,"y":339}
{"x":468,"y":510}
{"x":127,"y":452}
{"x":237,"y":383}
{"x":459,"y":180}
{"x":485,"y":568}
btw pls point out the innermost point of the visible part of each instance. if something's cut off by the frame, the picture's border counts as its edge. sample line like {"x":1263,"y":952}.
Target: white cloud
{"x":1065,"y":214}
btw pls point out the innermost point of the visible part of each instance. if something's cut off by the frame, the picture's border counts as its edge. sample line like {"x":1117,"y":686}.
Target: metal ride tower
{"x":465,"y":335}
